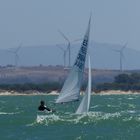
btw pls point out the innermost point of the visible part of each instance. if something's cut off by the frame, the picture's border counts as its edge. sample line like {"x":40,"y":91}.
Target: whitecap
{"x":131,"y":105}
{"x":46,"y":119}
{"x":90,"y":117}
{"x":96,"y":106}
{"x":8,"y":113}
{"x":130,"y":98}
{"x":127,"y":119}
{"x":131,"y":111}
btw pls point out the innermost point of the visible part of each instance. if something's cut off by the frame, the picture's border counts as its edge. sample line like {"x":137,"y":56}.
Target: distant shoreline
{"x":117,"y":92}
{"x":30,"y":93}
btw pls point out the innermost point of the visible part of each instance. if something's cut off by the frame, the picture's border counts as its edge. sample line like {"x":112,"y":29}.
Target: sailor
{"x":42,"y":106}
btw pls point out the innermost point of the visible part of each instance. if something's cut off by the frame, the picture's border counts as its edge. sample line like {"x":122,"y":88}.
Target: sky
{"x":36,"y":22}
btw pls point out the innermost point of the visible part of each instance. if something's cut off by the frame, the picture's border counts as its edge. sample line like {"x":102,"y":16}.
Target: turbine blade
{"x":79,"y":39}
{"x":125,"y":45}
{"x":115,"y":50}
{"x":10,"y":51}
{"x":19,"y":47}
{"x":61,"y":48}
{"x":62,"y":34}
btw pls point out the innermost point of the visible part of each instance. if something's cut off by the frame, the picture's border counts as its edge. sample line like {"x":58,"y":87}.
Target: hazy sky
{"x":35,"y":22}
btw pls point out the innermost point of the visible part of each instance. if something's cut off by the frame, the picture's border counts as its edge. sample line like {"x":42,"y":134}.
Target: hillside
{"x":45,"y":74}
{"x":103,"y":55}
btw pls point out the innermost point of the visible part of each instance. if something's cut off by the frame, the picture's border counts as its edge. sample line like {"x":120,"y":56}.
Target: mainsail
{"x":71,"y":88}
{"x":84,"y":105}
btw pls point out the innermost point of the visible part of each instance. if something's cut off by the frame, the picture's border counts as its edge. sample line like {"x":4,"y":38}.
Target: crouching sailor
{"x":43,"y":107}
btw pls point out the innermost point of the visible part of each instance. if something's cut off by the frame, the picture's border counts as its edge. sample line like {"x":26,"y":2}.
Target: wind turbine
{"x":121,"y":56}
{"x":16,"y":56}
{"x":64,"y":55}
{"x":69,"y":45}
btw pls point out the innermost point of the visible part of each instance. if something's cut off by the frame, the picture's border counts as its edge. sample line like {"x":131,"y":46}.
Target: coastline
{"x":29,"y":93}
{"x":55,"y":93}
{"x":117,"y":92}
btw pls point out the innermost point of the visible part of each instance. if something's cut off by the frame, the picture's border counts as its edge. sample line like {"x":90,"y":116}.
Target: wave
{"x":90,"y":117}
{"x":96,"y":106}
{"x":8,"y":113}
{"x":2,"y":101}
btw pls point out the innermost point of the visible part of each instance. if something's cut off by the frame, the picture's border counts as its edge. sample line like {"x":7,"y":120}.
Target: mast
{"x":85,"y":103}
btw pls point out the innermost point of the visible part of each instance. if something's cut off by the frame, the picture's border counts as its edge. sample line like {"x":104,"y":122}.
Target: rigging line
{"x":73,"y":106}
{"x":53,"y":106}
{"x":66,"y":106}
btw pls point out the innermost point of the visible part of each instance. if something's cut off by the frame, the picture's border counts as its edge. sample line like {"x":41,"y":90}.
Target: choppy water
{"x":111,"y":117}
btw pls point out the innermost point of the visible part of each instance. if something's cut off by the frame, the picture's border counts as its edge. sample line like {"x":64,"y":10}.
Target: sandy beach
{"x":116,"y":92}
{"x":29,"y":93}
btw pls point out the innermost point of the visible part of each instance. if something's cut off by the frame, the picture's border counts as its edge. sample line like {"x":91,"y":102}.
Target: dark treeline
{"x":46,"y":87}
{"x":123,"y":82}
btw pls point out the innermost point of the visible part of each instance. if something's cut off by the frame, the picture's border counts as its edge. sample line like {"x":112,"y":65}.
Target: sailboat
{"x":70,"y":91}
{"x":84,"y":105}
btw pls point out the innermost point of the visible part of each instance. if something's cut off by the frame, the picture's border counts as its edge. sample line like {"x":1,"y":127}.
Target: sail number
{"x":82,"y":55}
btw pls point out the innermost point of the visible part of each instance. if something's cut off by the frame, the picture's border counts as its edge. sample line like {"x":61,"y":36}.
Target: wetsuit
{"x":42,"y":108}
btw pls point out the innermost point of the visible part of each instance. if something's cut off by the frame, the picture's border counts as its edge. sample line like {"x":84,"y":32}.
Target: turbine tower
{"x":121,"y":56}
{"x":64,"y":54}
{"x":16,"y":56}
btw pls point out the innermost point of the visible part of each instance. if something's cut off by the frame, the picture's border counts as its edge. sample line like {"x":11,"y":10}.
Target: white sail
{"x":71,"y":88}
{"x":84,"y":105}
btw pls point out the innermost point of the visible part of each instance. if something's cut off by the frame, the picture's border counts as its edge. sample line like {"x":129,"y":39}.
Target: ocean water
{"x":111,"y":117}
